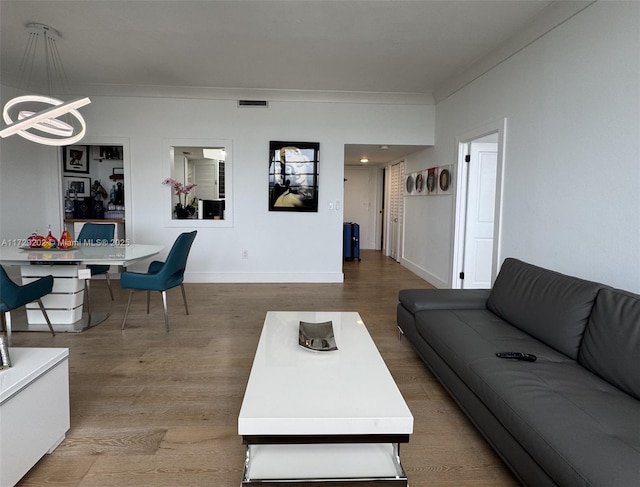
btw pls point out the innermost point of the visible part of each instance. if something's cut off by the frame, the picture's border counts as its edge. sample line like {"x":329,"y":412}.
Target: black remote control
{"x":527,"y":357}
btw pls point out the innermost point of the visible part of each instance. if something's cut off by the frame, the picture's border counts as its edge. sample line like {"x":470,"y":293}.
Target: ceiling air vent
{"x":253,"y":103}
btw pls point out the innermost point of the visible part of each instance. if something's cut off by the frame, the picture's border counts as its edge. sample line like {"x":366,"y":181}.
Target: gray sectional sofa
{"x":571,"y":417}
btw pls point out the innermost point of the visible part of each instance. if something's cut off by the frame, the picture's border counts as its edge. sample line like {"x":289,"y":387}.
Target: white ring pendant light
{"x":44,"y":126}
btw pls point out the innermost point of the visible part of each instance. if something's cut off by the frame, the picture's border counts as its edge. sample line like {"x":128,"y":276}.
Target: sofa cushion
{"x":462,"y":337}
{"x":581,"y":429}
{"x":548,"y":305}
{"x":415,"y":300}
{"x":556,"y":409}
{"x":611,"y":345}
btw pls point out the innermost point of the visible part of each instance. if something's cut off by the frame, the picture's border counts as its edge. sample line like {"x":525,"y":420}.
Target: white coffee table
{"x":311,"y":416}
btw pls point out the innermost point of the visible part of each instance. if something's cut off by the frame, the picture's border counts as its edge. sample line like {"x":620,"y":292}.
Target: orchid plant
{"x":180,"y":190}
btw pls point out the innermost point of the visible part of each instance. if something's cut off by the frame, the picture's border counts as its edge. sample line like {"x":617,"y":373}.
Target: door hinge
{"x":467,"y":158}
{"x":462,"y":275}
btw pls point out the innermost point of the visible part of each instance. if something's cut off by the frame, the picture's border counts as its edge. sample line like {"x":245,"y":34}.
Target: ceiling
{"x":376,"y":154}
{"x":379,"y":47}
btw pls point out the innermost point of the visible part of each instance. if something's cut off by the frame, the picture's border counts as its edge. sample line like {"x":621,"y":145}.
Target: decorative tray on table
{"x":318,"y":337}
{"x":53,"y":249}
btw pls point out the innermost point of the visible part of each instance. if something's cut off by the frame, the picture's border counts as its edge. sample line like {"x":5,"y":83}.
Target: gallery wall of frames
{"x":430,"y":182}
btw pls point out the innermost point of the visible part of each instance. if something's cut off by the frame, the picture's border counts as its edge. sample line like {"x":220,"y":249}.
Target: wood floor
{"x":150,"y":408}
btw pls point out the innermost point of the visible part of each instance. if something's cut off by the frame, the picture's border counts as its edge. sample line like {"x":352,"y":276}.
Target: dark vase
{"x":97,"y":210}
{"x":181,"y":212}
{"x":184,"y":212}
{"x":82,"y":208}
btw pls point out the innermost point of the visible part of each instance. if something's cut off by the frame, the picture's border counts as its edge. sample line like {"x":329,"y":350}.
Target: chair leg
{"x":184,"y":298}
{"x":126,"y":312}
{"x":7,"y":324}
{"x":164,"y":306}
{"x":46,"y":316}
{"x":148,"y":300}
{"x":87,"y":295}
{"x":109,"y":285}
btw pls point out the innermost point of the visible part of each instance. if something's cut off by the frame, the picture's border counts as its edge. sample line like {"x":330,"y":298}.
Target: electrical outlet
{"x":245,"y":254}
{"x":84,"y":273}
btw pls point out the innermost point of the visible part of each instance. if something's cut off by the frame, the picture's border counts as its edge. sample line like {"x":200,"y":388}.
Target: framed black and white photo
{"x":77,"y":186}
{"x":76,"y":159}
{"x":293,"y":176}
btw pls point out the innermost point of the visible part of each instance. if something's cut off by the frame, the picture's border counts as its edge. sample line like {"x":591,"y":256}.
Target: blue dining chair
{"x":14,"y":296}
{"x":161,"y":276}
{"x":96,"y":234}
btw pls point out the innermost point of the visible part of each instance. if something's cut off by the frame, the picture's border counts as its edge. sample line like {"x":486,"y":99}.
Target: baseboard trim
{"x":268,"y":277}
{"x":424,"y":274}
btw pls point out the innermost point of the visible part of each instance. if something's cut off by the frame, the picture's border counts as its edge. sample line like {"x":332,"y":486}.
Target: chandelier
{"x":44,"y":119}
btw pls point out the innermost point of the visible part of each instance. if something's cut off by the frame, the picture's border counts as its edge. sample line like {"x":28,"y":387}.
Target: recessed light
{"x":364,"y":160}
{"x":384,"y":147}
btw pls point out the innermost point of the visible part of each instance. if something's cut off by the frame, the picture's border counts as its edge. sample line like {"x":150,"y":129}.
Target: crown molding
{"x":235,"y":94}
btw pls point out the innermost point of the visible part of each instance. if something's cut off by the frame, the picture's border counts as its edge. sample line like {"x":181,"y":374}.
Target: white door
{"x":480,"y":215}
{"x":205,"y":172}
{"x":400,"y":212}
{"x":395,"y":211}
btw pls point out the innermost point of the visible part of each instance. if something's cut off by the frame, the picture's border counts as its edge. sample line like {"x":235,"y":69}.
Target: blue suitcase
{"x":351,"y":241}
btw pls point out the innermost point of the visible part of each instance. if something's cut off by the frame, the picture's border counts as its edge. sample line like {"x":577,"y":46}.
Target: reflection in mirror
{"x":201,"y":172}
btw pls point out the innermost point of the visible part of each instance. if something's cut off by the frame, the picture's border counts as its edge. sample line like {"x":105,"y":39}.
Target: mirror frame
{"x":167,"y":204}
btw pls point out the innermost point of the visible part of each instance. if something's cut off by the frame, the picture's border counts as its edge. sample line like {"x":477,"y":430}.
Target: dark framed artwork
{"x":77,"y":186}
{"x":76,"y":159}
{"x":293,"y":176}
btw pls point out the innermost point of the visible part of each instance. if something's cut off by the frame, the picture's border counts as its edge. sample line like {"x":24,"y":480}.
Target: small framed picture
{"x":432,"y":180}
{"x":445,"y":179}
{"x":118,"y":171}
{"x":409,"y":183}
{"x":75,"y":159}
{"x":78,"y":186}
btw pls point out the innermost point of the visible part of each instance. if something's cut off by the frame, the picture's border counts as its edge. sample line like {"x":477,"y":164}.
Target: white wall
{"x":571,"y":198}
{"x":428,"y":225}
{"x":282,"y":246}
{"x":29,"y":189}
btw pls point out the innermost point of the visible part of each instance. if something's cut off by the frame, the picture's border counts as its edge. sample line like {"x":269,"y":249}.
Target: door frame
{"x":459,"y":223}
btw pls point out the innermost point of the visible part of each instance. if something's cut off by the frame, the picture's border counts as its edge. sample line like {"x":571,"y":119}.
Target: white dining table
{"x":68,"y":267}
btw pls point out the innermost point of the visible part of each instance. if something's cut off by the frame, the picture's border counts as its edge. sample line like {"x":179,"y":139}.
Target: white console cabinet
{"x":34,"y":409}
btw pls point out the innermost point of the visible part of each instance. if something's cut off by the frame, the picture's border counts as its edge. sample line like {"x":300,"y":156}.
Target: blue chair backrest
{"x":97,"y":232}
{"x":176,"y":262}
{"x":13,"y":295}
{"x":8,"y":290}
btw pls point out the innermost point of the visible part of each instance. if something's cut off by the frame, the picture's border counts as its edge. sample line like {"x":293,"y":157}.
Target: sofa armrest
{"x":415,"y":300}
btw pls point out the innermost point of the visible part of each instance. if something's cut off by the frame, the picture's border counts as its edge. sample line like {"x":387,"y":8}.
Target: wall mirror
{"x":200,"y":182}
